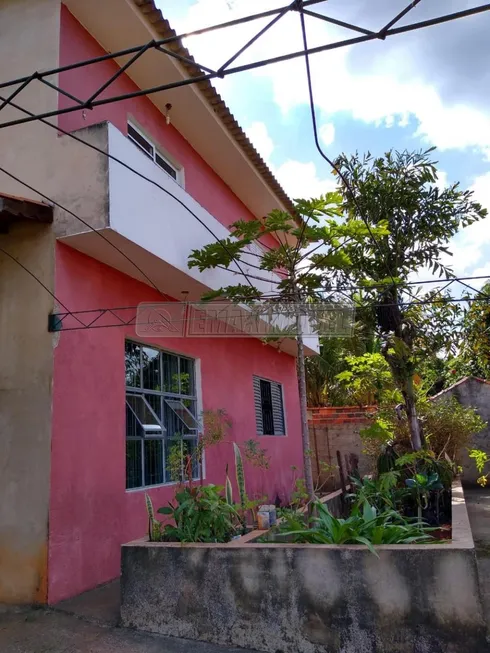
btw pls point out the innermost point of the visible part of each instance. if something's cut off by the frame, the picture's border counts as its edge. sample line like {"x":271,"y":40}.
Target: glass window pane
{"x":190,"y":448}
{"x":151,"y":369}
{"x":140,"y":141}
{"x":133,"y":427}
{"x":179,"y":454}
{"x":170,"y":373}
{"x":153,"y":462}
{"x":143,"y":413}
{"x":173,"y":460}
{"x":187,"y":377}
{"x":133,"y":365}
{"x":163,"y":163}
{"x":155,"y":402}
{"x":185,"y":420}
{"x":191,"y":405}
{"x":134,"y":476}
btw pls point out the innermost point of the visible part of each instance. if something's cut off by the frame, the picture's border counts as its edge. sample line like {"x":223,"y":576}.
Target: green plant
{"x":400,"y":188}
{"x":304,"y":271}
{"x":447,"y":427}
{"x":176,"y":460}
{"x":240,"y":476}
{"x":255,"y":454}
{"x":366,"y":526}
{"x":228,"y":489}
{"x":367,"y":379}
{"x":299,"y":495}
{"x":154,"y":526}
{"x":383,"y":492}
{"x":422,"y":485}
{"x":200,"y":514}
{"x":475,"y":350}
{"x":481,"y":459}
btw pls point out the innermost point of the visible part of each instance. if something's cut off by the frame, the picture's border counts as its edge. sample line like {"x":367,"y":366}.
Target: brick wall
{"x":335,"y":429}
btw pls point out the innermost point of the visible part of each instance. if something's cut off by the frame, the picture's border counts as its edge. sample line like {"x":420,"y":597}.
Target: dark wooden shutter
{"x":267,"y":413}
{"x":277,"y":409}
{"x":258,"y":406}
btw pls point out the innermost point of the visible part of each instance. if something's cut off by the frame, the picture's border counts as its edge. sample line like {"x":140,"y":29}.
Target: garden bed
{"x":308,"y":598}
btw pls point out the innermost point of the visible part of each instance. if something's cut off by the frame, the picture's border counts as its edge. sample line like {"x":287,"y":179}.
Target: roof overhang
{"x":198,"y":112}
{"x":15,"y":209}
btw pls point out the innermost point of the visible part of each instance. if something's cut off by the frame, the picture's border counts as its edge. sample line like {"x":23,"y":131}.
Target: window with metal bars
{"x":161,"y":415}
{"x":148,"y":148}
{"x":269,"y":407}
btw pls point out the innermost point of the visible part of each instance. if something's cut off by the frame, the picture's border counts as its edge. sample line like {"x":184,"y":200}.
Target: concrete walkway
{"x":86,"y":624}
{"x":478,"y":503}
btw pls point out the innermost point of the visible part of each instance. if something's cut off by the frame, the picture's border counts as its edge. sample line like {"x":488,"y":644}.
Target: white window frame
{"x":156,"y":151}
{"x":163,"y":435}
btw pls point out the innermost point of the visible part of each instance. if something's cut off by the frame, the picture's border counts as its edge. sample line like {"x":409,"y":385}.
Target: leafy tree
{"x":368,"y":379}
{"x":304,"y":273}
{"x":475,"y":352}
{"x":399,"y":189}
{"x":323,"y":386}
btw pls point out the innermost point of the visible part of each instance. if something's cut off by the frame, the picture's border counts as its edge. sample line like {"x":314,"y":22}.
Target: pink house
{"x":87,"y":415}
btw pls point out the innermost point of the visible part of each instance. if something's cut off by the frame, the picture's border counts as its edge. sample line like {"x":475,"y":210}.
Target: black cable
{"x":251,"y":66}
{"x":104,"y":311}
{"x":327,"y":159}
{"x":139,"y":174}
{"x":77,"y":217}
{"x":43,"y":285}
{"x":300,"y":6}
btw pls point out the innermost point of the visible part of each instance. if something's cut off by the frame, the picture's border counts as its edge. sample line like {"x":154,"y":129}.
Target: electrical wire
{"x":140,"y":49}
{"x":41,"y":283}
{"x":325,"y":156}
{"x":231,"y":71}
{"x":139,"y":174}
{"x":84,"y":222}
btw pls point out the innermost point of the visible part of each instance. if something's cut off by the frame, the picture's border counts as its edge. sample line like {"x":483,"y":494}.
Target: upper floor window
{"x":269,"y":407}
{"x":161,"y":416}
{"x":151,"y":150}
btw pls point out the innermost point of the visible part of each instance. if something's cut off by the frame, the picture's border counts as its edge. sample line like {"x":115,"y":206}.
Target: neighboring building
{"x":80,"y":440}
{"x":473,"y":392}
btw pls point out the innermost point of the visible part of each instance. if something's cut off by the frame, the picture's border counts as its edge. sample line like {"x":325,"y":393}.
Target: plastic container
{"x":263,"y":520}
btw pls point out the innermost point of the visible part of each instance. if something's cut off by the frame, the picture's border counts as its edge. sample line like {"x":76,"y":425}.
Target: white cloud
{"x":481,"y":189}
{"x":327,"y":133}
{"x":258,"y":134}
{"x":388,"y":89}
{"x":471,"y":246}
{"x":301,"y":180}
{"x":442,"y":181}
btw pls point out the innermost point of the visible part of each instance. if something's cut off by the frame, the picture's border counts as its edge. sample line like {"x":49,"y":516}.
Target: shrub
{"x":199,"y":514}
{"x":363,"y":526}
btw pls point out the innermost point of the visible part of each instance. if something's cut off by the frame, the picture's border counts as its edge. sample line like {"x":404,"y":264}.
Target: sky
{"x":412,"y":91}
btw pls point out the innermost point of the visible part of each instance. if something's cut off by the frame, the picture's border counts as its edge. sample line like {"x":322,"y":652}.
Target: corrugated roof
{"x":162,"y":27}
{"x":20,"y":208}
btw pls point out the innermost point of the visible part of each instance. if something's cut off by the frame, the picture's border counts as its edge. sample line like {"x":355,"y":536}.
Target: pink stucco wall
{"x":201,"y":182}
{"x":91,"y":513}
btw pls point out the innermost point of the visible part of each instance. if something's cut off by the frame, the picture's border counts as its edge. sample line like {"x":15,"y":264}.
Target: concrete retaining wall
{"x":309,"y":599}
{"x":473,"y":392}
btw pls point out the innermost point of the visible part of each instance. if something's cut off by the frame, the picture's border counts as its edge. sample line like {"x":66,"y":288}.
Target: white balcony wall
{"x":156,"y":225}
{"x":166,"y":221}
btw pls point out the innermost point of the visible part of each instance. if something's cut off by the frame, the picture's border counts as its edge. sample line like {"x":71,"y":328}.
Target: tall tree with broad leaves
{"x":400,"y":189}
{"x":309,"y":259}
